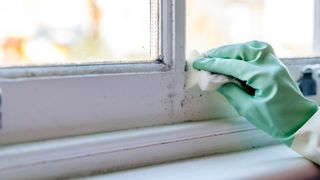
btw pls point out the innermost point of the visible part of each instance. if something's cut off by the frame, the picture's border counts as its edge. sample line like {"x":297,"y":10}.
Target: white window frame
{"x":51,"y":102}
{"x":316,"y":32}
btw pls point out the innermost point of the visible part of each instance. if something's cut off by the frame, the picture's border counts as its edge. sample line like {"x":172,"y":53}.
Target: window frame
{"x":316,"y":34}
{"x":46,"y":107}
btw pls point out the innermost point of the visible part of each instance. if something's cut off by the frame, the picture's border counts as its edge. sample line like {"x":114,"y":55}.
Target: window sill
{"x":274,"y":162}
{"x":121,"y":150}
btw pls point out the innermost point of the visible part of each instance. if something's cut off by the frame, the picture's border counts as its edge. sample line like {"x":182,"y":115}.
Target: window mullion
{"x":316,"y":39}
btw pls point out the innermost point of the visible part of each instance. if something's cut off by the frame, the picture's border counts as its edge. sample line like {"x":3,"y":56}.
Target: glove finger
{"x":236,"y":96}
{"x":245,"y":51}
{"x":241,"y":70}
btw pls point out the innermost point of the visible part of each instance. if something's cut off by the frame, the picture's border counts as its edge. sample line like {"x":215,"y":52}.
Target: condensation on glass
{"x":46,"y":32}
{"x":287,"y":25}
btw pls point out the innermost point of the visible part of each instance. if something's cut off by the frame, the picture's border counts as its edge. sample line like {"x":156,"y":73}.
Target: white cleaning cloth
{"x":206,"y":80}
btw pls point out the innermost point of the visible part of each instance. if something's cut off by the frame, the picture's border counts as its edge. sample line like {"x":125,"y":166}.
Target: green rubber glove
{"x":277,"y":105}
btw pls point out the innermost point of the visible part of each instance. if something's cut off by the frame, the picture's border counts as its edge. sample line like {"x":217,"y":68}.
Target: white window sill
{"x":273,"y":162}
{"x":102,"y":153}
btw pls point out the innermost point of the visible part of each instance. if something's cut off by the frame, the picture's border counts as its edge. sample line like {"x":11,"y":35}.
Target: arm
{"x":306,"y":139}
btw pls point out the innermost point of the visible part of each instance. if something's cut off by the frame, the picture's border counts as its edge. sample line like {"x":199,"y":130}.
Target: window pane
{"x":286,"y":24}
{"x":39,"y":32}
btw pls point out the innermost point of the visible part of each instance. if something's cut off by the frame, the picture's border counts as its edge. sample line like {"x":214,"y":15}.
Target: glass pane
{"x":42,"y":32}
{"x":286,"y":24}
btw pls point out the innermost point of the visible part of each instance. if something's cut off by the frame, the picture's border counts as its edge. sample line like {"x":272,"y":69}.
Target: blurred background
{"x":39,"y":32}
{"x":44,"y":32}
{"x":286,"y":24}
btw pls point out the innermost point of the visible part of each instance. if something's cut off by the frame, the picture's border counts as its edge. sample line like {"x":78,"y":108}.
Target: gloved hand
{"x":277,"y":105}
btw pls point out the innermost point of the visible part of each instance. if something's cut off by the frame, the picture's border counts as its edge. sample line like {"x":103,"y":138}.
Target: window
{"x":52,"y":101}
{"x":288,"y":25}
